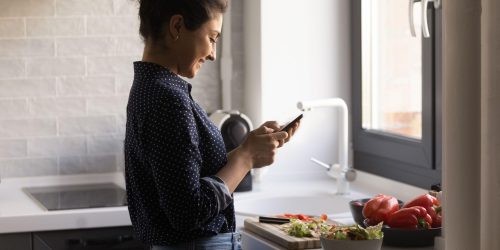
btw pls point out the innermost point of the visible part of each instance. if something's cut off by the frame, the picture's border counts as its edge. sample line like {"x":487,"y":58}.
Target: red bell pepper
{"x":411,"y":217}
{"x":379,"y":208}
{"x":431,"y":204}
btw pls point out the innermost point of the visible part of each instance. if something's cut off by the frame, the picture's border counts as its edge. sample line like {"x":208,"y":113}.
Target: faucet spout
{"x":343,"y":135}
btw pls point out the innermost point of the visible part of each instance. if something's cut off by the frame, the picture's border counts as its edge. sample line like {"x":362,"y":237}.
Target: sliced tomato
{"x":303,"y":217}
{"x":324,"y":217}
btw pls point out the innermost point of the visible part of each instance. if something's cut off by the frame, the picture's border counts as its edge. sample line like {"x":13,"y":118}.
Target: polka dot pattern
{"x":170,"y":145}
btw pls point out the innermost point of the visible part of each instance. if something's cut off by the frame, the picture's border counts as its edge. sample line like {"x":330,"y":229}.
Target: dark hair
{"x":155,"y":14}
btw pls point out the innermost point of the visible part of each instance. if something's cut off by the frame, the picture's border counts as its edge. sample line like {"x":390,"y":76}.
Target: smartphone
{"x":292,"y":123}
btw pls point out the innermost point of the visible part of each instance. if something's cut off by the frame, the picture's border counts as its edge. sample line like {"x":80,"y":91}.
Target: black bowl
{"x":401,"y":237}
{"x":410,"y":237}
{"x":356,"y":207}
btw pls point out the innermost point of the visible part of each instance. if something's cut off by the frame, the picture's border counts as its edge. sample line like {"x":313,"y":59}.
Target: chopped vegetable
{"x":431,"y":204}
{"x":354,"y":232}
{"x":379,"y":208}
{"x":324,"y":217}
{"x":301,"y":217}
{"x":411,"y":218}
{"x":312,"y":228}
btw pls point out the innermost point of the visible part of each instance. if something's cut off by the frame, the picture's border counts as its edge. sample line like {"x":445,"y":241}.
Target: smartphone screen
{"x":292,"y":123}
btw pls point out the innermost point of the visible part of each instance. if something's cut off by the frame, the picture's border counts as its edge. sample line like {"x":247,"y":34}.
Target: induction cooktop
{"x":78,"y":196}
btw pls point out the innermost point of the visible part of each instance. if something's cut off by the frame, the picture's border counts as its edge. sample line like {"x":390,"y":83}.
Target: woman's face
{"x":197,"y":46}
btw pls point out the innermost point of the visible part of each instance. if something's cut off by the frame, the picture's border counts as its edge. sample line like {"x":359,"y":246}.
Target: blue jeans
{"x":223,"y":241}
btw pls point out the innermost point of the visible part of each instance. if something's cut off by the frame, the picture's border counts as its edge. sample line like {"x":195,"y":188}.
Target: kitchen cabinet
{"x":18,"y":241}
{"x":112,"y":238}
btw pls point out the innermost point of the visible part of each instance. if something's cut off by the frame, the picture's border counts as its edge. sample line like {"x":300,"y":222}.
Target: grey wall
{"x":65,"y":73}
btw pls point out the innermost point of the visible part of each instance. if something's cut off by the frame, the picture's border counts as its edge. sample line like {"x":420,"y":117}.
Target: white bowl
{"x":328,"y":244}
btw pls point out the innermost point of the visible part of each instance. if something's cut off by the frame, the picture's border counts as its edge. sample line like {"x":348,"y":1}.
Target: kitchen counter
{"x":312,"y":183}
{"x":321,"y":185}
{"x":20,"y":213}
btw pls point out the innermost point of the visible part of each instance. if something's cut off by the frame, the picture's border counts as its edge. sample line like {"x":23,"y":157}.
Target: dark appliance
{"x":78,"y":196}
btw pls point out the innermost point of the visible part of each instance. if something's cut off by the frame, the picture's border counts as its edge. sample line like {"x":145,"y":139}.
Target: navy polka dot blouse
{"x":172,"y":151}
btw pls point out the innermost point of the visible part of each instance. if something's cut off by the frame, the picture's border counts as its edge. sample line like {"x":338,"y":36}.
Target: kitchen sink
{"x":310,"y":204}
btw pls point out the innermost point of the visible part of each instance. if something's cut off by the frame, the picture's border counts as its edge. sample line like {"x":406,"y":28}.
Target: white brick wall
{"x":22,"y":8}
{"x":57,"y":146}
{"x":27,"y":87}
{"x":86,"y":86}
{"x":12,"y":68}
{"x":24,"y":47}
{"x":13,"y":148}
{"x":12,"y":27}
{"x":55,"y":26}
{"x":65,"y":75}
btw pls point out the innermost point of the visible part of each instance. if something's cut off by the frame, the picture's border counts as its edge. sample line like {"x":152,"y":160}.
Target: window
{"x":396,"y":90}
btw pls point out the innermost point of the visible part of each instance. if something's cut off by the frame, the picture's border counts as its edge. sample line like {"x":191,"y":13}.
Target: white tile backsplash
{"x":20,"y":47}
{"x":57,"y":106}
{"x":29,"y":127}
{"x":29,"y":167}
{"x":110,"y":65}
{"x":27,"y":87}
{"x":87,"y":125}
{"x":65,"y":75}
{"x":13,"y":148}
{"x":55,"y":66}
{"x":23,"y":8}
{"x":12,"y":27}
{"x":12,"y":108}
{"x":107,"y":105}
{"x":126,"y":7}
{"x":57,"y":146}
{"x":85,"y":46}
{"x":87,"y":86}
{"x":12,"y":68}
{"x":55,"y":26}
{"x":108,"y":144}
{"x":112,"y":25}
{"x":84,"y":7}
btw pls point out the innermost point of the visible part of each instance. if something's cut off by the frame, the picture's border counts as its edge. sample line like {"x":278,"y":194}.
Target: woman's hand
{"x":262,"y":142}
{"x":291,"y":131}
{"x":258,"y":150}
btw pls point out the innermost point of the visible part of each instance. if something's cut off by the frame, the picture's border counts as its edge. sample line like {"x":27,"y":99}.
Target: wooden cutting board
{"x":274,"y":233}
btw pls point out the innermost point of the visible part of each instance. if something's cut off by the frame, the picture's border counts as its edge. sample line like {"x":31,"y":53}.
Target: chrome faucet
{"x":341,"y":171}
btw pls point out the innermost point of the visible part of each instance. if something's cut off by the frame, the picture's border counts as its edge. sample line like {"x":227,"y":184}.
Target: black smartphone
{"x":292,"y":123}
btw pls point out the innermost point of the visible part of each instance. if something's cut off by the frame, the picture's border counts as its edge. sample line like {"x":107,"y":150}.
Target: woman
{"x":179,"y":177}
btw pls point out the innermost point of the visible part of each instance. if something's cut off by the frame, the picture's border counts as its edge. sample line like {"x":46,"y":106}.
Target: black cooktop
{"x":78,"y":196}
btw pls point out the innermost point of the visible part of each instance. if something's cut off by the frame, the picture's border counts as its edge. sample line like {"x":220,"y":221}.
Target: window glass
{"x":391,"y":68}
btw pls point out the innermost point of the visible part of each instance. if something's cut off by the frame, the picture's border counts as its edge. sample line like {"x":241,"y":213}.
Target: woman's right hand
{"x":261,"y":144}
{"x":258,"y":150}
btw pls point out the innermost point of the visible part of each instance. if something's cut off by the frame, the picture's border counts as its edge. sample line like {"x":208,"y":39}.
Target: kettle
{"x":234,"y":127}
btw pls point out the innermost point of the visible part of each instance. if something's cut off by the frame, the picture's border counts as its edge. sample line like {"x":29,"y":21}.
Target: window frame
{"x":396,"y":157}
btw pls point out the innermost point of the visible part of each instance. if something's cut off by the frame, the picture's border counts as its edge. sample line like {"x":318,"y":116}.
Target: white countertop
{"x":20,"y":213}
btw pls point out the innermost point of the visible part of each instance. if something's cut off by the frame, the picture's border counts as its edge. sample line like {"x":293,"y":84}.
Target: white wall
{"x":65,"y":74}
{"x":299,"y":50}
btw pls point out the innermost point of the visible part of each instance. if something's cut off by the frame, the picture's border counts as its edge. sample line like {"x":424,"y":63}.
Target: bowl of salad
{"x":353,"y":237}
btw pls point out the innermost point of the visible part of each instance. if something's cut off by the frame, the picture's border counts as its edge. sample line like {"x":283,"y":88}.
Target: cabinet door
{"x":117,"y":238}
{"x":18,"y":241}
